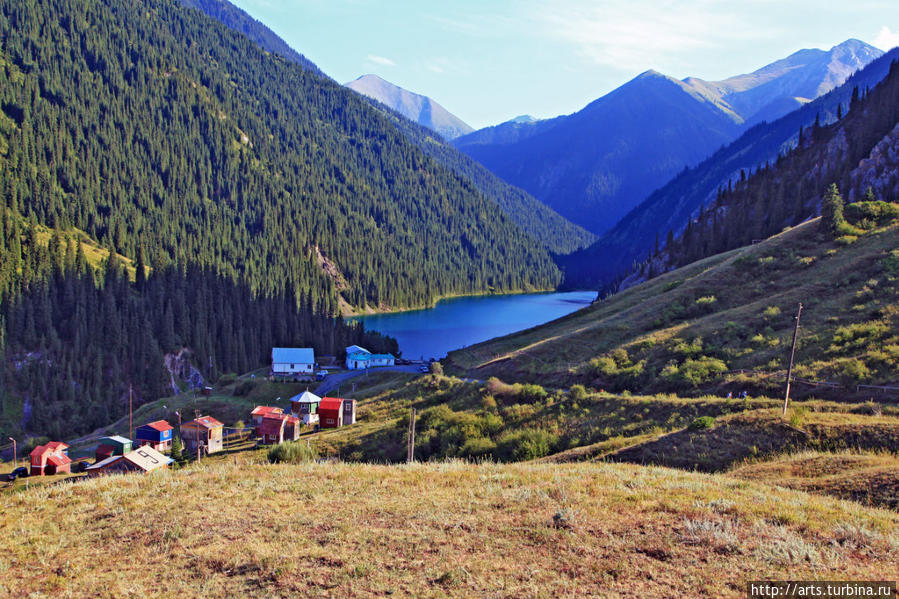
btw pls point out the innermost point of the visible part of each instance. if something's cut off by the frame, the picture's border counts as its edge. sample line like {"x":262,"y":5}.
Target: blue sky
{"x":487,"y":61}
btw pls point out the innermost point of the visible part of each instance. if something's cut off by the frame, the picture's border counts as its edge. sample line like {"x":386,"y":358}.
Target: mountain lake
{"x":458,"y":322}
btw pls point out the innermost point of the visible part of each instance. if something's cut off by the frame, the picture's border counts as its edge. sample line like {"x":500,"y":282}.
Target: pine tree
{"x":832,"y":212}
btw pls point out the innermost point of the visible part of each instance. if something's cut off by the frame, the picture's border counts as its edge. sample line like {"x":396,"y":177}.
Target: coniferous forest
{"x":256,"y":196}
{"x":791,"y":189}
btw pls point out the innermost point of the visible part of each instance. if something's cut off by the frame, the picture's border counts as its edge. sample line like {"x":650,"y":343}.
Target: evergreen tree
{"x":832,"y":212}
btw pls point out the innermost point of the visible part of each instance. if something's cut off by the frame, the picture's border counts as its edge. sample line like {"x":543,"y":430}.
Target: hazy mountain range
{"x":597,"y":164}
{"x":415,"y":107}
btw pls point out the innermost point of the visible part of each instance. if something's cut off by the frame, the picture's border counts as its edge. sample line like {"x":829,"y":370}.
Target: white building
{"x":293,"y":362}
{"x":359,"y":358}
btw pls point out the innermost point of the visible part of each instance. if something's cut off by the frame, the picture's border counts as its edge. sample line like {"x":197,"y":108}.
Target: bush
{"x":244,"y":388}
{"x":524,"y":445}
{"x":868,"y":215}
{"x":292,"y":452}
{"x":578,"y":392}
{"x":701,"y":423}
{"x":694,"y":371}
{"x":531,"y":393}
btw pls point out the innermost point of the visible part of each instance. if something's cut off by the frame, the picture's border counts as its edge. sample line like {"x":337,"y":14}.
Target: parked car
{"x":20,"y":472}
{"x":320,"y":375}
{"x":424,"y":368}
{"x":79,"y":466}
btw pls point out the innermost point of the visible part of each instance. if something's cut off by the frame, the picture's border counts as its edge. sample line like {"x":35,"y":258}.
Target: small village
{"x":152,"y":444}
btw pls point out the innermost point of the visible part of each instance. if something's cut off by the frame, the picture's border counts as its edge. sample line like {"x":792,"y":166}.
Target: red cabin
{"x":258,"y":415}
{"x":52,"y":458}
{"x":330,"y":412}
{"x":271,"y":431}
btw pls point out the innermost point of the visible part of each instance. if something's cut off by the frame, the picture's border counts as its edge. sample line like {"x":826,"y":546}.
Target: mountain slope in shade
{"x":537,"y":220}
{"x":233,"y":17}
{"x":594,"y":166}
{"x":670,"y":207}
{"x":415,"y":107}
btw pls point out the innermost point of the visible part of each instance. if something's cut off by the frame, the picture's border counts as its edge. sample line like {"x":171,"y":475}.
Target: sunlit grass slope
{"x":434,"y":530}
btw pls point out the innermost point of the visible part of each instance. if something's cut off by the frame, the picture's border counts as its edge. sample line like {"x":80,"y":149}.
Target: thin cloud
{"x":380,"y":60}
{"x":633,"y":36}
{"x":886,"y":39}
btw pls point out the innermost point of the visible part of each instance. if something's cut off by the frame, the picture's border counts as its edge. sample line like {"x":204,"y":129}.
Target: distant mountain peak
{"x":415,"y":107}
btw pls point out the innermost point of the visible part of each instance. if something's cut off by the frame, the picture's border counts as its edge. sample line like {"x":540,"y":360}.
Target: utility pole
{"x":792,"y":356}
{"x":410,"y":447}
{"x":15,"y":456}
{"x":131,"y":411}
{"x":197,"y":433}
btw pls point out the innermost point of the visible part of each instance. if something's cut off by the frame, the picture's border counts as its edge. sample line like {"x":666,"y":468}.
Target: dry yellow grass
{"x":433,"y":530}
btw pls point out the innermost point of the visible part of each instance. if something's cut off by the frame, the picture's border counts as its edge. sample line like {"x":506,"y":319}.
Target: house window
{"x":291,"y":366}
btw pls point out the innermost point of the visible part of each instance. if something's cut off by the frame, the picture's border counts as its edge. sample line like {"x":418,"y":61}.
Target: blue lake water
{"x":463,"y":321}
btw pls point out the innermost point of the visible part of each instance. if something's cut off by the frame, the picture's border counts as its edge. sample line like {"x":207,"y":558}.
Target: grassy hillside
{"x":871,"y":478}
{"x":436,"y":530}
{"x":693,"y":329}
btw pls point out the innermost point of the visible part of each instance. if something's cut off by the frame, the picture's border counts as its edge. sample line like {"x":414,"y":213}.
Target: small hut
{"x":330,"y":412}
{"x":157,"y":435}
{"x":52,"y":458}
{"x":110,"y":446}
{"x":144,"y":459}
{"x":203,"y":433}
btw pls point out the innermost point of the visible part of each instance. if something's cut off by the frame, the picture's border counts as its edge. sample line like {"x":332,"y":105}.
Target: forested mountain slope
{"x":237,"y":19}
{"x":152,"y":122}
{"x":535,"y":219}
{"x":671,"y":207}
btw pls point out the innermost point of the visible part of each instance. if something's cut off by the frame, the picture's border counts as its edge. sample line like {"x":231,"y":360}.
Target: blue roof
{"x":293,"y":355}
{"x":353,"y":349}
{"x":382,"y":356}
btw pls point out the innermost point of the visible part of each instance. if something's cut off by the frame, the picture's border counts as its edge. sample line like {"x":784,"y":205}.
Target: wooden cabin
{"x":305,"y":407}
{"x":330,"y":412}
{"x":157,"y":435}
{"x":110,"y":446}
{"x":293,"y":363}
{"x":349,"y":412}
{"x":292,"y":428}
{"x":52,"y":458}
{"x":144,"y":459}
{"x":204,"y":433}
{"x":271,"y":431}
{"x":259,"y":413}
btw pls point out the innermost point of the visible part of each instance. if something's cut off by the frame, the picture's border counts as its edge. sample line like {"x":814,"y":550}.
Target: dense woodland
{"x":76,"y":337}
{"x":229,"y":176}
{"x":150,"y":123}
{"x":791,"y":189}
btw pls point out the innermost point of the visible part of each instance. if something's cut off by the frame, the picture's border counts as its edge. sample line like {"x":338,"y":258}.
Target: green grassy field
{"x":690,"y":331}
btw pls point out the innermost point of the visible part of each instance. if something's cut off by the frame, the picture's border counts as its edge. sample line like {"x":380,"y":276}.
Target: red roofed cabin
{"x":330,"y":412}
{"x":205,"y":432}
{"x":277,"y":428}
{"x":157,"y":435}
{"x":52,"y":458}
{"x":258,"y":415}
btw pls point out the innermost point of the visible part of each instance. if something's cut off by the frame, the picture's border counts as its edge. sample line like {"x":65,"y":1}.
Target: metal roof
{"x":204,"y":422}
{"x":293,"y":355}
{"x":105,"y":462}
{"x":148,"y":459}
{"x":306,"y":397}
{"x":330,"y":403}
{"x":117,"y":439}
{"x":356,"y":349}
{"x":59,"y":459}
{"x":159,"y":425}
{"x":265,"y":410}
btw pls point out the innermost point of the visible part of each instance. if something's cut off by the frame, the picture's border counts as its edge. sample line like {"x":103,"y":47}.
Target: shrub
{"x":771,"y":312}
{"x":701,"y":423}
{"x":292,"y":452}
{"x":477,"y":447}
{"x":868,"y":215}
{"x":531,"y":393}
{"x":525,"y":445}
{"x":694,"y":371}
{"x":578,"y":392}
{"x":436,"y":368}
{"x":706,"y":300}
{"x":244,"y":388}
